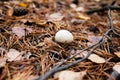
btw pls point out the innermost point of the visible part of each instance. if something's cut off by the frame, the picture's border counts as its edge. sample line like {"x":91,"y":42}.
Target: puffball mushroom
{"x":64,"y":36}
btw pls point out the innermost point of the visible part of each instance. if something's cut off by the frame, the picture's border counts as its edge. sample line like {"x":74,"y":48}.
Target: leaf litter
{"x":27,"y":30}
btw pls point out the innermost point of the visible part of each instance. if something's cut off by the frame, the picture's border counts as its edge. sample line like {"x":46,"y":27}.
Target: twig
{"x":111,"y":23}
{"x":103,"y":9}
{"x":110,"y":19}
{"x":60,"y":66}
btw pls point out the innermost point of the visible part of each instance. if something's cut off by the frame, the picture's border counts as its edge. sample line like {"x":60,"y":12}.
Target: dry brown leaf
{"x":94,"y":39}
{"x":23,"y":4}
{"x":71,"y":75}
{"x":55,"y":17}
{"x":19,"y":31}
{"x":73,"y":6}
{"x":14,"y":55}
{"x":10,"y":11}
{"x":33,"y":77}
{"x":76,"y":8}
{"x":82,"y":16}
{"x":95,"y":58}
{"x":117,"y":67}
{"x":80,"y":9}
{"x":97,"y":0}
{"x":117,"y":54}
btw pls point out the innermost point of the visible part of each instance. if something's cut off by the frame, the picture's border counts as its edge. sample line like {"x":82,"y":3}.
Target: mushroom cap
{"x":64,"y":36}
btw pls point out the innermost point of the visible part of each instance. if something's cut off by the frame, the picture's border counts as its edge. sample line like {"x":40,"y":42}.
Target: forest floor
{"x":29,"y":51}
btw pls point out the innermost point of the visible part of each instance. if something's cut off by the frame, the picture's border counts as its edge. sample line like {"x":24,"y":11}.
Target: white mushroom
{"x":64,"y":36}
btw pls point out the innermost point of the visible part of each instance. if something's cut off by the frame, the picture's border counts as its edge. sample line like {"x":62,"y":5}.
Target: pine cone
{"x":19,"y":11}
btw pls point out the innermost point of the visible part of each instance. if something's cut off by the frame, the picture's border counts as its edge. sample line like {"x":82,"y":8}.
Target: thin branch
{"x":111,"y":23}
{"x":117,"y":34}
{"x":103,"y":9}
{"x":110,"y":19}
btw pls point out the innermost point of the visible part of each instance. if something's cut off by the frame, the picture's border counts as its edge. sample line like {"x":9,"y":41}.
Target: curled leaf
{"x":84,"y":17}
{"x":116,"y":67}
{"x":70,"y":75}
{"x":23,"y":4}
{"x":14,"y":55}
{"x":117,"y":54}
{"x":95,"y":58}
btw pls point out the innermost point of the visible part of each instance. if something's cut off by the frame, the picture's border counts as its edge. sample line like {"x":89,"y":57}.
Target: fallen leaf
{"x":14,"y":55}
{"x":19,"y":31}
{"x":73,"y":6}
{"x":117,"y":54}
{"x":71,"y":75}
{"x":10,"y":11}
{"x":94,"y":39}
{"x":33,"y":77}
{"x":55,"y":17}
{"x":116,"y":67}
{"x":95,"y":58}
{"x":82,"y":16}
{"x":80,"y":9}
{"x":97,"y":0}
{"x":23,"y":4}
